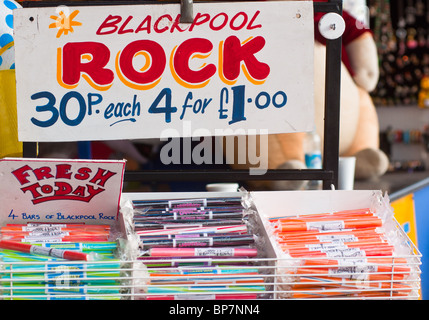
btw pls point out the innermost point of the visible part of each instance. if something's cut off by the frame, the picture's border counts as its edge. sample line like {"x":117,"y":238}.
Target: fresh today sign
{"x":60,"y":191}
{"x":129,"y":72}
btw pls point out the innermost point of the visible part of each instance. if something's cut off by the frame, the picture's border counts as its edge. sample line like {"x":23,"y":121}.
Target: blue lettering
{"x":48,"y":107}
{"x":92,"y":102}
{"x":118,"y":109}
{"x":167,"y":109}
{"x":101,"y":216}
{"x":26,"y":216}
{"x":283,"y":100}
{"x":198,"y":106}
{"x":108,"y":112}
{"x":136,"y":107}
{"x":238,"y":104}
{"x":222,"y":110}
{"x":267,"y":100}
{"x":60,"y":216}
{"x":63,"y":108}
{"x":127,"y":110}
{"x":186,"y":105}
{"x":123,"y":109}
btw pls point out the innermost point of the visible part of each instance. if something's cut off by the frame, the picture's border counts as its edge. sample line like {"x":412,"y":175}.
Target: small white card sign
{"x":60,"y":190}
{"x":135,"y":71}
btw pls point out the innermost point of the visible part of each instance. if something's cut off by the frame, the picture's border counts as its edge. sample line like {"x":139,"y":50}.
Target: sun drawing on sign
{"x":64,"y":23}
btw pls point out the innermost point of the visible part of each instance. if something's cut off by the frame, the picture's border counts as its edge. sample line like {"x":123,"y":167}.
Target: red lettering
{"x":250,"y":26}
{"x":46,"y":188}
{"x":113,"y":23}
{"x":21,"y":174}
{"x":223,"y":24}
{"x":43,"y":173}
{"x":33,"y":189}
{"x":89,"y":60}
{"x":122,"y":29}
{"x":110,"y":23}
{"x":155,"y":26}
{"x":73,"y":64}
{"x":184,"y":53}
{"x":156,"y":68}
{"x":176,"y":25}
{"x":241,"y":25}
{"x":204,"y":18}
{"x":92,"y":191}
{"x":63,"y":188}
{"x":79,"y":191}
{"x":83,"y":173}
{"x":102,"y":176}
{"x":63,"y":171}
{"x":234,"y":53}
{"x":144,"y":25}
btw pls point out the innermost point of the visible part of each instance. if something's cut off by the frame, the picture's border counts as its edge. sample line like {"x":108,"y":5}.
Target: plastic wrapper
{"x":357,"y":253}
{"x":35,"y":275}
{"x":198,"y":248}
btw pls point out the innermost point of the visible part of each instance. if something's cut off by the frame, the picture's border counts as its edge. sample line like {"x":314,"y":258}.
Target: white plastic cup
{"x":222,"y":187}
{"x":346,"y":173}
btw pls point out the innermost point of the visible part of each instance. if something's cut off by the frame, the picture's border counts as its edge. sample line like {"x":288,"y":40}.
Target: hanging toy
{"x":424,"y":92}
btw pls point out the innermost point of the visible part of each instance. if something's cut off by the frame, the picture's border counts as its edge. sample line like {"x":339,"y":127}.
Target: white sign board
{"x":60,"y":191}
{"x":134,"y":71}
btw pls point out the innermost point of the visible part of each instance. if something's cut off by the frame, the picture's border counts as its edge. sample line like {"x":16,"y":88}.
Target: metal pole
{"x":332,"y":105}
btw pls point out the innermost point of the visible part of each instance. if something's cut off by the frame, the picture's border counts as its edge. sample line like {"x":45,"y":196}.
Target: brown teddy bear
{"x":359,"y":127}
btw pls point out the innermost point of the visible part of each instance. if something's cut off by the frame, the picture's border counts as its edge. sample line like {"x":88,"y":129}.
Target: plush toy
{"x":359,"y":128}
{"x":424,"y":93}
